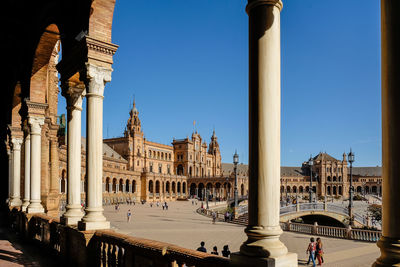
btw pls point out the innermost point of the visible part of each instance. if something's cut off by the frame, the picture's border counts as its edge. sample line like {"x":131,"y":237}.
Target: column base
{"x":85,"y":226}
{"x":30,"y":210}
{"x":288,"y":260}
{"x":72,"y":216}
{"x":15,"y":202}
{"x":390,"y":252}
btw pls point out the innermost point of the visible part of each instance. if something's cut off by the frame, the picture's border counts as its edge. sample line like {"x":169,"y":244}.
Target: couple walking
{"x":315,"y":250}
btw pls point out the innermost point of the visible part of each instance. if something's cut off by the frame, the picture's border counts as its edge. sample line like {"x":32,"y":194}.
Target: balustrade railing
{"x":288,"y":209}
{"x":301,"y":228}
{"x":106,"y":247}
{"x":332,"y":231}
{"x":112,"y":249}
{"x":365,"y":235}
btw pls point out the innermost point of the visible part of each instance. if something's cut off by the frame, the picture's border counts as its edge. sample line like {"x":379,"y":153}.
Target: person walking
{"x":202,"y":248}
{"x":311,"y":250}
{"x":225,"y":252}
{"x":215,"y":250}
{"x":319,"y":252}
{"x":214,"y":217}
{"x":129,"y":215}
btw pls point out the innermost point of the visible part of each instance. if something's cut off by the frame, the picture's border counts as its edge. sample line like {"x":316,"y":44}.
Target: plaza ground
{"x":181,"y":225}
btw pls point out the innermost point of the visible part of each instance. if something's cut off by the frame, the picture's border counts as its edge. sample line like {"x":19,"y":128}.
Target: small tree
{"x":376,"y":212}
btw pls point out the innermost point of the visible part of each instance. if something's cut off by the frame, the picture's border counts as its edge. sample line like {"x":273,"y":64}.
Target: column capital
{"x":16,"y":143}
{"x":255,"y":3}
{"x":36,"y":124}
{"x":74,"y":93}
{"x":96,"y":78}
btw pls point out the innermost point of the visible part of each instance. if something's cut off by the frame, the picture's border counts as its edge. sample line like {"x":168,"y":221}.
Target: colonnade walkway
{"x":14,"y":252}
{"x":181,"y":225}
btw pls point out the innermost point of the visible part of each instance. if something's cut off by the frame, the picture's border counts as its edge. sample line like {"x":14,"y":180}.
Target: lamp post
{"x":310,"y":163}
{"x":206,"y":197}
{"x":351,"y":189}
{"x":235,"y":162}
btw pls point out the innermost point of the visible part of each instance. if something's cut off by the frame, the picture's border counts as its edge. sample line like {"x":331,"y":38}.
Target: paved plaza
{"x":181,"y":225}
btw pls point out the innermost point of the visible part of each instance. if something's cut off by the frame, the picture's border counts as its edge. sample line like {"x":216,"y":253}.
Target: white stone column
{"x":15,"y":200}
{"x":74,"y":97}
{"x":116,"y":187}
{"x":109,"y":187}
{"x":96,"y":79}
{"x":27,"y":176}
{"x":130,"y":188}
{"x":10,"y":174}
{"x":35,"y":124}
{"x":263,"y":247}
{"x":389,"y":243}
{"x":123,"y":188}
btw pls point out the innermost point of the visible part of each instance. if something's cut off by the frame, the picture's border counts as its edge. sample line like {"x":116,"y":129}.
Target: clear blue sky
{"x":187,"y":60}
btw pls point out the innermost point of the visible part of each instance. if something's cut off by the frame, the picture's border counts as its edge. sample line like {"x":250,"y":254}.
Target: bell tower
{"x":133,"y":132}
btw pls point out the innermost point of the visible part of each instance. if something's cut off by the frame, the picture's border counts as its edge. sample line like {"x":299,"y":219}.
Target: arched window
{"x":133,"y":186}
{"x":334,"y":178}
{"x":334,"y":190}
{"x":178,"y":187}
{"x":340,"y":190}
{"x":328,"y":190}
{"x":301,"y":190}
{"x":157,"y":187}
{"x":184,"y":188}
{"x":294,"y":189}
{"x":288,"y":189}
{"x":173,"y":187}
{"x":329,"y":178}
{"x":151,"y":186}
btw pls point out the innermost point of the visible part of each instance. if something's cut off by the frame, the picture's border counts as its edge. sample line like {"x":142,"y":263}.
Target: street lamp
{"x":310,"y":163}
{"x":235,"y":162}
{"x":351,"y":189}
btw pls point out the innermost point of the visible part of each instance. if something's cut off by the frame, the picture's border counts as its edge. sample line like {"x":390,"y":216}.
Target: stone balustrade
{"x":106,"y":247}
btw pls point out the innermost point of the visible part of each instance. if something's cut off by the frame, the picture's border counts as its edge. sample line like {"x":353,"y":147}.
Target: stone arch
{"x":374,"y":189}
{"x":167,"y":189}
{"x":157,"y":187}
{"x":151,"y":186}
{"x":133,"y":186}
{"x":334,"y":178}
{"x":359,"y":189}
{"x":200,"y":190}
{"x":179,"y":169}
{"x":329,"y":178}
{"x":294,"y":190}
{"x":63,"y":182}
{"x":127,"y":183}
{"x":178,"y":187}
{"x":340,"y":190}
{"x":307,"y":189}
{"x":121,"y":185}
{"x":183,"y":187}
{"x":192,"y":189}
{"x":114,"y":185}
{"x":288,"y":189}
{"x":301,"y":189}
{"x":366,"y":189}
{"x":173,"y":187}
{"x":334,"y":191}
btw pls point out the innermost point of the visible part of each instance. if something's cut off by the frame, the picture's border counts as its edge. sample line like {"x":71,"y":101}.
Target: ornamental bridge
{"x":327,"y":211}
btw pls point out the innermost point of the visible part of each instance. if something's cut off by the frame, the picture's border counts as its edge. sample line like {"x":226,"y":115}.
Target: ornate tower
{"x":134,"y":134}
{"x":213,"y":149}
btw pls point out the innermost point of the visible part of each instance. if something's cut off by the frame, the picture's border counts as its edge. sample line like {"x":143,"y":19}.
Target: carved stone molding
{"x":100,"y":46}
{"x":16,"y":143}
{"x":74,"y":93}
{"x":96,"y":78}
{"x":35,"y":107}
{"x":36,"y":124}
{"x":255,"y":3}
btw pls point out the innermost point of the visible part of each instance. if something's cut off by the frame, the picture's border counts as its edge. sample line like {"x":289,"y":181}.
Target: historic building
{"x":135,"y":168}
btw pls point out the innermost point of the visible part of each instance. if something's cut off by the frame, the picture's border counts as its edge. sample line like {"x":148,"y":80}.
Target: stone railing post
{"x":297,"y":206}
{"x":348,"y":232}
{"x":96,"y":78}
{"x":315,"y":228}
